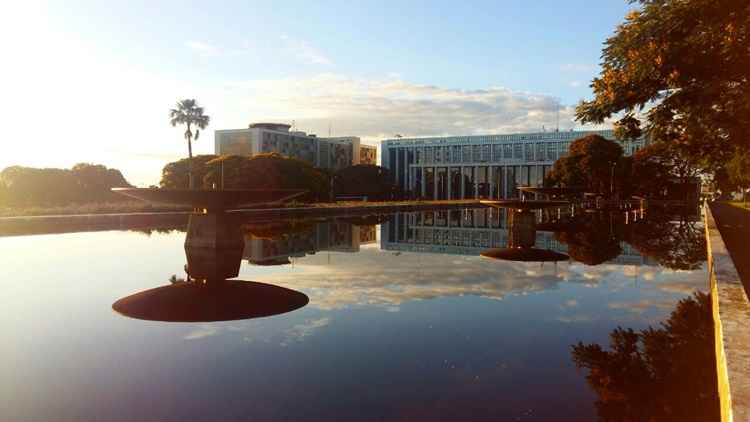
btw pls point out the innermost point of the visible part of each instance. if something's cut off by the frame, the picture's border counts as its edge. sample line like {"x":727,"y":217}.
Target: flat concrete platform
{"x":731,"y":311}
{"x":734,"y":225}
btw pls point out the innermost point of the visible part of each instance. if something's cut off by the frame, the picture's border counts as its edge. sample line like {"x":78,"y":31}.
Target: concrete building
{"x":327,"y":153}
{"x":481,"y":166}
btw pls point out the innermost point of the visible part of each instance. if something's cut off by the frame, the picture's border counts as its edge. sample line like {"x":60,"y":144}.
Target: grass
{"x":740,"y":204}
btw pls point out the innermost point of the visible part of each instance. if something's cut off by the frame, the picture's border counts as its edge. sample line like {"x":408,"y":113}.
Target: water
{"x":405,"y":321}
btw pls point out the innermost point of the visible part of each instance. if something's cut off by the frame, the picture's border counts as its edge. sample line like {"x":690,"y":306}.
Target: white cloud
{"x":375,"y":109}
{"x":305,"y":52}
{"x":575,"y":84}
{"x":202,"y":48}
{"x":300,"y":331}
{"x":202,"y":331}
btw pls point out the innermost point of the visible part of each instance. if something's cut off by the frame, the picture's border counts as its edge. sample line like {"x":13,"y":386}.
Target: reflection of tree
{"x":591,"y":240}
{"x":664,"y":374}
{"x":678,"y":245}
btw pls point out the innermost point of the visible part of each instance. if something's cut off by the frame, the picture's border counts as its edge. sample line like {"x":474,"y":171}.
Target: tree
{"x":261,"y":171}
{"x":739,"y":172}
{"x":188,"y":113}
{"x":659,"y":166}
{"x":175,"y":175}
{"x":664,"y":374}
{"x":591,"y":240}
{"x":591,"y":162}
{"x":84,"y":183}
{"x":374,"y":182}
{"x":677,"y":244}
{"x":683,"y":68}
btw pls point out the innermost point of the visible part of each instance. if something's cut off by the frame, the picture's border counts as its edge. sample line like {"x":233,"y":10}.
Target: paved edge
{"x":731,"y":312}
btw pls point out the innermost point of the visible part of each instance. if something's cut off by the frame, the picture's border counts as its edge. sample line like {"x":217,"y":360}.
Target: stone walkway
{"x":734,"y":225}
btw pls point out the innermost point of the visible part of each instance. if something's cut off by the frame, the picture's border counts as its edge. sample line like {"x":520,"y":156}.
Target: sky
{"x":94,"y":81}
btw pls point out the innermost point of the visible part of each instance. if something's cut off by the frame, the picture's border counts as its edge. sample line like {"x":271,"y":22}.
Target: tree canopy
{"x":262,"y":171}
{"x":83,"y":183}
{"x":683,"y":67}
{"x":738,"y":170}
{"x":589,"y":163}
{"x":369,"y":180}
{"x":174,"y":175}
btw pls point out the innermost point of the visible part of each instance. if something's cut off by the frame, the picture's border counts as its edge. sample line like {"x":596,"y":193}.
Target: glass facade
{"x":488,"y":166}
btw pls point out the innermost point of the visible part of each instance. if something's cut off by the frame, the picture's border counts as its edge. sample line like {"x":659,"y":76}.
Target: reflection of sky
{"x":411,"y":336}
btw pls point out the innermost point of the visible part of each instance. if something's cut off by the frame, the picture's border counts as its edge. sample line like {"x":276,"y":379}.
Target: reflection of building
{"x":327,"y":153}
{"x":484,"y":166}
{"x":469,"y":232}
{"x":324,"y":236}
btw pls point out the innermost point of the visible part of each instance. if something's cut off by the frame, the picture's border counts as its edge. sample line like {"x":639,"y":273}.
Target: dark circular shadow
{"x":524,"y":254}
{"x":271,"y":262}
{"x":213,"y":301}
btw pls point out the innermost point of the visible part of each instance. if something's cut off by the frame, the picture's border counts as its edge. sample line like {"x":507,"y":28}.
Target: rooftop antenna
{"x":293,"y":126}
{"x":329,"y":129}
{"x":557,"y":115}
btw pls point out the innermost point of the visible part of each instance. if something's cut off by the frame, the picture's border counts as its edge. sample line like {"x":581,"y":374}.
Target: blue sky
{"x":369,"y":69}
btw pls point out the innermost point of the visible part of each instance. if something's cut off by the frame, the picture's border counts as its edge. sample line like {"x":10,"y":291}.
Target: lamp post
{"x":613,"y":165}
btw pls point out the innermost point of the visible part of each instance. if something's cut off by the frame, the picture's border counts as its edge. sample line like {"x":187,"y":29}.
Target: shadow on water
{"x":657,"y":374}
{"x":522,"y":227}
{"x":206,"y":301}
{"x":214,"y":248}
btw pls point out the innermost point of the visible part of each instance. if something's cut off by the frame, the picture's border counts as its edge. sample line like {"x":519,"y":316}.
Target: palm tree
{"x":188,"y":113}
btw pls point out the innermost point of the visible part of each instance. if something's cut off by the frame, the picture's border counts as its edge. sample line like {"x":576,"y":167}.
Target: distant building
{"x":481,"y":166}
{"x":326,"y":153}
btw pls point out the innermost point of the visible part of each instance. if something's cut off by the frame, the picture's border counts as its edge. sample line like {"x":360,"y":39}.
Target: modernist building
{"x":327,"y":153}
{"x":482,"y":166}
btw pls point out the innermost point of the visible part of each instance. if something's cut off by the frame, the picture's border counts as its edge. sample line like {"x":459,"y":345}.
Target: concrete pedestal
{"x":521,"y":229}
{"x":213,"y":246}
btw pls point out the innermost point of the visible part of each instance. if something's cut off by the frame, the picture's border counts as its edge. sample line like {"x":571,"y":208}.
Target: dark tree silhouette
{"x":83,"y":184}
{"x":591,"y":162}
{"x":657,"y":374}
{"x":592,"y":239}
{"x":188,"y":113}
{"x":369,"y":180}
{"x":677,"y":244}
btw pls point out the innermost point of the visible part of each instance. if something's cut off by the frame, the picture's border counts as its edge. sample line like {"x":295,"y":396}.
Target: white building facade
{"x":326,"y":153}
{"x":480,"y":166}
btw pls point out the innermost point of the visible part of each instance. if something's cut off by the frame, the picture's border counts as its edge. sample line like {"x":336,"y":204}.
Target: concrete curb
{"x":731,"y":310}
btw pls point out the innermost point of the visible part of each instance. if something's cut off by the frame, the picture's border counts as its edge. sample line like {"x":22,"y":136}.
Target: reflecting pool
{"x":393,"y":317}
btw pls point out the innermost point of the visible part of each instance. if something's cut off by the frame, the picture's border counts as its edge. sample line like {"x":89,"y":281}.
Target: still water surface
{"x":412,"y":327}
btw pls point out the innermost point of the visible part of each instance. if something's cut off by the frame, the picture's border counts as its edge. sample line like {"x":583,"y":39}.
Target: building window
{"x":518,"y":152}
{"x":455,"y":154}
{"x":508,"y":151}
{"x":529,"y":148}
{"x":429,"y":155}
{"x":477,"y":153}
{"x":539,"y":152}
{"x":485,"y":153}
{"x":466,"y":154}
{"x":497,"y":152}
{"x":438,"y":154}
